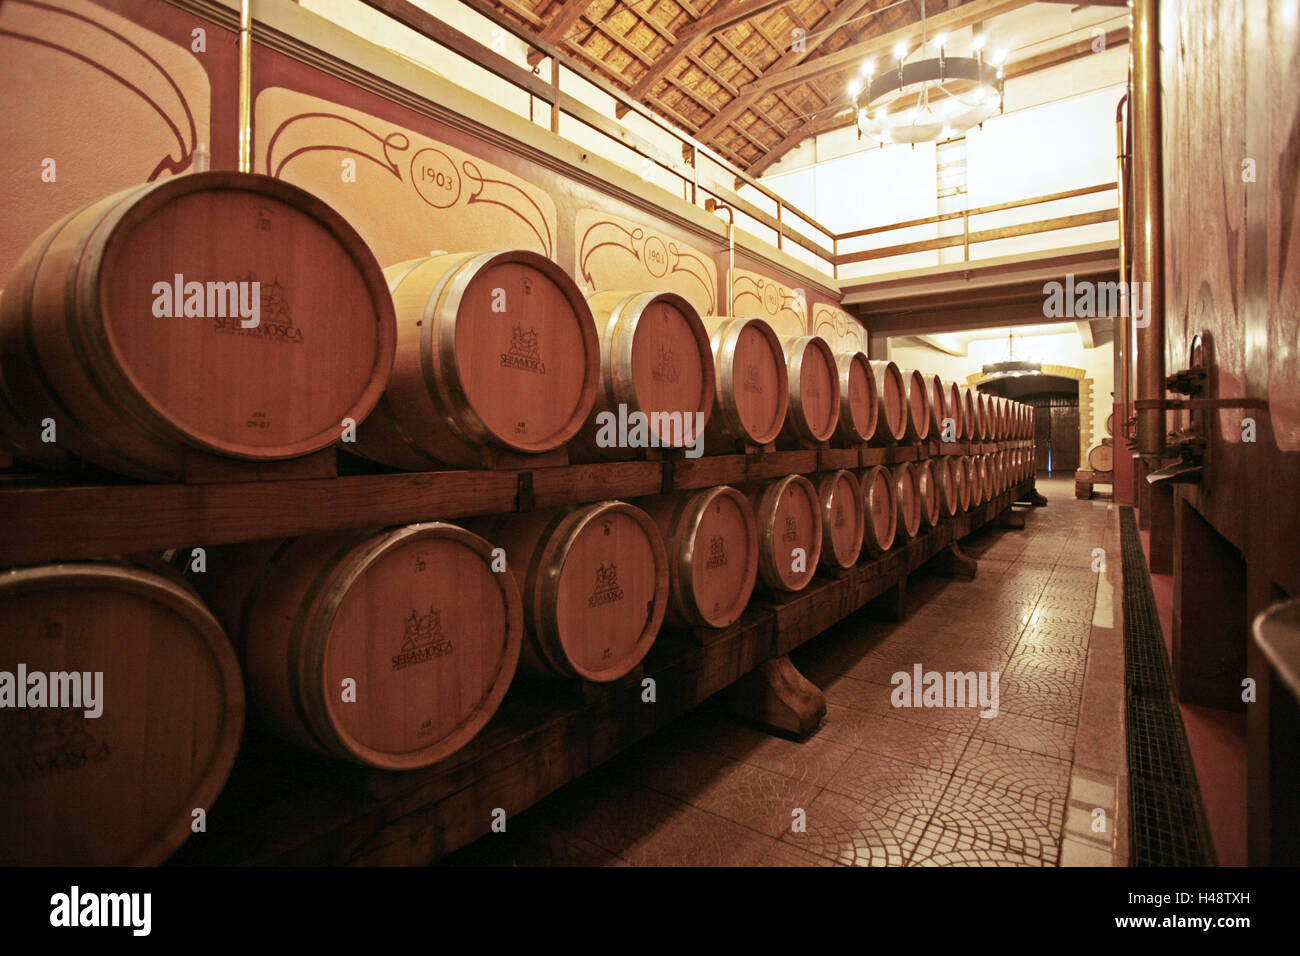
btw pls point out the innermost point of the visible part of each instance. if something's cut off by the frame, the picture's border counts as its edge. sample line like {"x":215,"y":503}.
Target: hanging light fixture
{"x":1011,"y":368}
{"x":927,"y":100}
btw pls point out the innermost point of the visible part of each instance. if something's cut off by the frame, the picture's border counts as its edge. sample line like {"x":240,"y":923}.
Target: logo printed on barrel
{"x":525,"y":351}
{"x":791,"y":529}
{"x":717,"y":552}
{"x":275,"y":323}
{"x":44,"y":742}
{"x":607,"y":589}
{"x":422,"y":640}
{"x":665,"y":369}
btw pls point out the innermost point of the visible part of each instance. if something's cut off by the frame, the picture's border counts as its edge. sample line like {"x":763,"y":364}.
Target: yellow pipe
{"x":246,"y":86}
{"x":1149,"y":224}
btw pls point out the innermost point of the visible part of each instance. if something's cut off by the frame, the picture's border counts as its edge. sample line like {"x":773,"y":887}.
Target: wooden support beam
{"x":955,"y":563}
{"x":779,"y":698}
{"x":1074,"y":51}
{"x":724,"y":15}
{"x":825,"y":27}
{"x":558,"y":28}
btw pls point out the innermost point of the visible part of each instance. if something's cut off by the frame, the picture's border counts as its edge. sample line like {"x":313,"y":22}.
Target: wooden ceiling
{"x":731,"y":72}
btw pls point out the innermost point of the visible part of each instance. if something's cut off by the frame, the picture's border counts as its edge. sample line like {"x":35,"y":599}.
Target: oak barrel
{"x":416,"y":617}
{"x":1101,"y":457}
{"x":891,"y":396}
{"x":788,"y":514}
{"x":974,"y":479}
{"x":908,"y":496}
{"x":972,"y":420}
{"x":814,"y":391}
{"x":985,"y":477}
{"x":123,"y":324}
{"x":880,"y":509}
{"x":118,"y":787}
{"x":712,"y":545}
{"x":655,"y":360}
{"x":956,"y":411}
{"x":938,"y":405}
{"x":595,"y":584}
{"x":751,"y":384}
{"x":843,"y":523}
{"x":496,"y":353}
{"x":918,"y":404}
{"x":1110,"y":424}
{"x":859,"y":407}
{"x":959,"y":486}
{"x":930,"y":493}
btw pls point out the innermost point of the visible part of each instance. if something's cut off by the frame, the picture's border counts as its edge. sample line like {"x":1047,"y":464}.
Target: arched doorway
{"x":1055,"y":398}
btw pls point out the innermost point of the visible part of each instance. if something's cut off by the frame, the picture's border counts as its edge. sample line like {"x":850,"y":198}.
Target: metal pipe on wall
{"x":1149,"y":222}
{"x":1122,"y":331}
{"x":712,"y":205}
{"x":246,"y":86}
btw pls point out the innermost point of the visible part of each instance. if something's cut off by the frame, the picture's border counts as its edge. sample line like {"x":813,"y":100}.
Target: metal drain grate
{"x":1167,"y":825}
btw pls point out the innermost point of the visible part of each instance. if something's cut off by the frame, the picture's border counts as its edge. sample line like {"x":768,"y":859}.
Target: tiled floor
{"x":1039,"y":784}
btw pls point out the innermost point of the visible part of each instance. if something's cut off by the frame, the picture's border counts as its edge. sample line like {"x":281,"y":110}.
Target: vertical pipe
{"x":1148,"y":216}
{"x":246,"y":86}
{"x":1122,"y":330}
{"x":731,"y":261}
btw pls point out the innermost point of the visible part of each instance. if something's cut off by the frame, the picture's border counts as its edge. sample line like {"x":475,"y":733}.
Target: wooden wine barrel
{"x":814,"y":391}
{"x":712,"y":545}
{"x":985,"y":477}
{"x":908,"y":496}
{"x":1110,"y":424}
{"x":918,"y":405}
{"x":956,"y":411}
{"x":859,"y":407}
{"x":141,"y":377}
{"x":986,"y":414}
{"x":118,"y":788}
{"x":891,"y":396}
{"x":751,"y":384}
{"x":496,"y":353}
{"x":843,"y":524}
{"x":416,"y":616}
{"x":949,"y":492}
{"x":960,"y":486}
{"x":938,"y":405}
{"x":970,"y":412}
{"x":1101,"y":457}
{"x":594,"y":580}
{"x":788,"y":513}
{"x":974,"y":479}
{"x":655,"y":359}
{"x":880,"y":509}
{"x":927,"y":488}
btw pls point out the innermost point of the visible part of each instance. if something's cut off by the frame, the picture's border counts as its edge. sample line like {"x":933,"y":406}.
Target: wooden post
{"x":777,"y":696}
{"x":955,"y":563}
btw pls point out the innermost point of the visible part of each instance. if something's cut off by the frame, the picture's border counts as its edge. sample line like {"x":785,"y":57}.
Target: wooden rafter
{"x":724,"y":14}
{"x":555,"y":31}
{"x":822,"y":32}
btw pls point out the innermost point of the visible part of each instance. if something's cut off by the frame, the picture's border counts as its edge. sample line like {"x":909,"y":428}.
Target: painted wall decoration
{"x":784,"y":308}
{"x":617,"y":253}
{"x":405,"y":193}
{"x":58,"y":152}
{"x":841,"y":330}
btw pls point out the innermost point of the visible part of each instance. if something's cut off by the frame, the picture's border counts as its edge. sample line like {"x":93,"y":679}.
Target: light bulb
{"x":978,"y":42}
{"x":900,"y":51}
{"x":854,"y":88}
{"x":868,"y":67}
{"x":939,"y":41}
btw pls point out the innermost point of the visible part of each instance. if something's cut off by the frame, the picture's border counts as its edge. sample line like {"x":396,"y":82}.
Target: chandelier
{"x":1011,"y":367}
{"x":927,"y":100}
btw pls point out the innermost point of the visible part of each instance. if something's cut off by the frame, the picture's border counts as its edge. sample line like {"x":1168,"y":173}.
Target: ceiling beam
{"x":938,"y":346}
{"x":725,"y":14}
{"x":556,"y":30}
{"x":1065,"y":54}
{"x":820,"y":34}
{"x":968,"y":14}
{"x":1085,"y":333}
